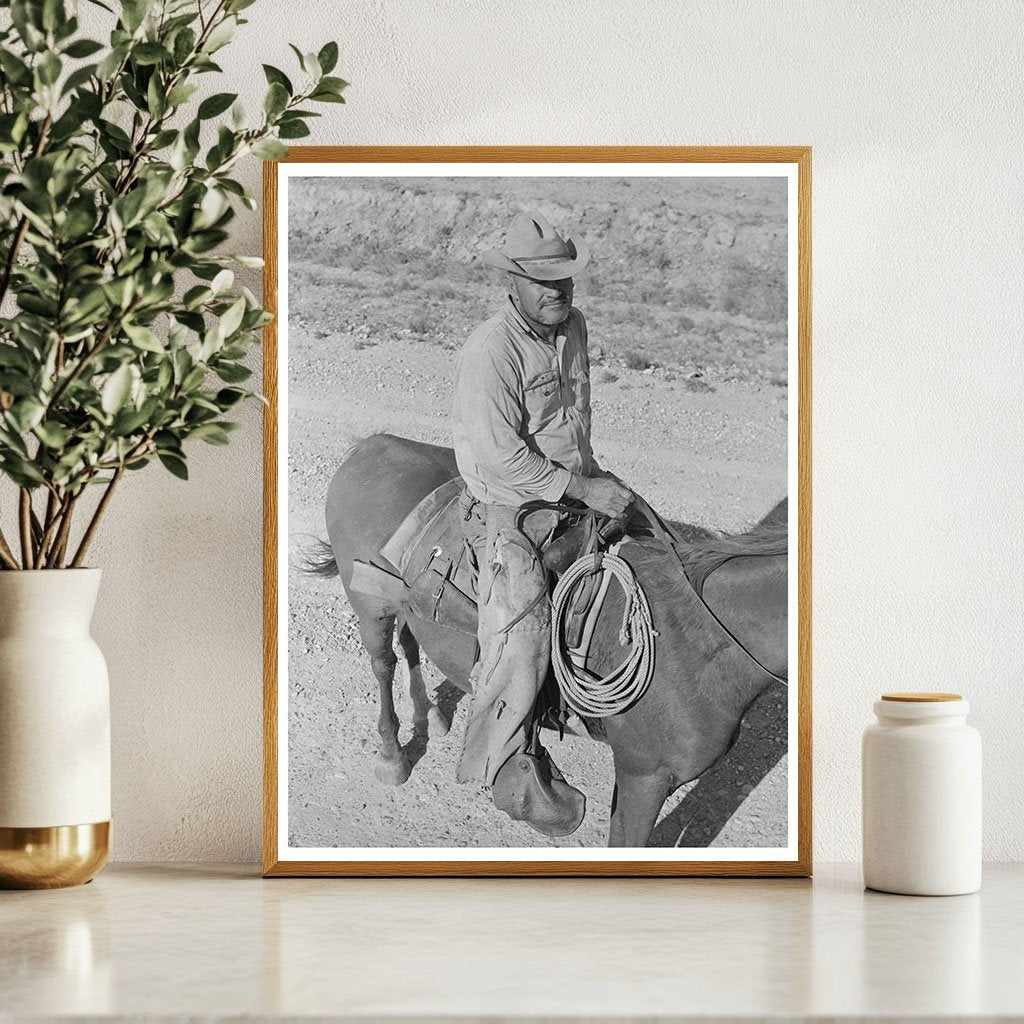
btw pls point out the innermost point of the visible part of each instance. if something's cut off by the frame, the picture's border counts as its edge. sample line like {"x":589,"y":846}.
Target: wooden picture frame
{"x":280,"y":859}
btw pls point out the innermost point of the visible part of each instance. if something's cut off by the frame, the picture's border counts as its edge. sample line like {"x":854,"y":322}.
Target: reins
{"x":664,"y":533}
{"x":601,"y":697}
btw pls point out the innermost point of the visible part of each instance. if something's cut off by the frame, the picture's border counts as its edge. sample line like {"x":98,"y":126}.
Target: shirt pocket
{"x":581,"y":389}
{"x":541,"y":399}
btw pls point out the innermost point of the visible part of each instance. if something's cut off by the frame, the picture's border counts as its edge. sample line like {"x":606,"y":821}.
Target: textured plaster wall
{"x":914,"y":113}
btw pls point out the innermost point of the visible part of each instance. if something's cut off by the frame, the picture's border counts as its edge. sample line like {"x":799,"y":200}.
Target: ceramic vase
{"x":54,"y":731}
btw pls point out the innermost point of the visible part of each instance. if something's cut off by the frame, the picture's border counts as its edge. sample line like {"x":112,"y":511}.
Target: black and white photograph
{"x":536,"y":567}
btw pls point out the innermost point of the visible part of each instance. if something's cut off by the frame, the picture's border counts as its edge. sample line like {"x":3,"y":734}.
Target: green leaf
{"x":181,"y":94}
{"x":222,"y":282}
{"x":163,"y":139}
{"x":144,"y":338}
{"x":293,"y":130}
{"x":116,"y":390}
{"x":311,"y":66}
{"x":26,"y":413}
{"x":149,"y":53}
{"x":334,"y":84}
{"x":211,"y":433}
{"x":49,"y":68}
{"x":184,"y":44}
{"x":36,"y":304}
{"x":269,"y":149}
{"x":11,"y":443}
{"x":216,"y":104}
{"x":133,"y":12}
{"x":16,"y":70}
{"x":193,"y":379}
{"x":275,"y":76}
{"x":12,"y":356}
{"x":196,"y":296}
{"x":115,"y":133}
{"x":78,"y":78}
{"x":53,"y":435}
{"x":109,"y":65}
{"x":175,"y":465}
{"x":129,"y":207}
{"x":83,"y":48}
{"x":324,"y":96}
{"x":21,"y":471}
{"x":228,"y":397}
{"x":128,"y":421}
{"x":256,"y":262}
{"x":65,"y":28}
{"x":156,"y":98}
{"x":232,"y":373}
{"x":276,"y":99}
{"x":25,"y":16}
{"x":328,"y":57}
{"x":221,"y":35}
{"x":232,"y":319}
{"x":119,"y":291}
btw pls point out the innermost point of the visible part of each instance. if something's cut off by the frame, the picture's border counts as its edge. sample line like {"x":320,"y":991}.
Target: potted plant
{"x":122,"y":341}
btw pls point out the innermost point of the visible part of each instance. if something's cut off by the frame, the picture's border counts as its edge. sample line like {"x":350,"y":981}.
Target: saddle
{"x":426,"y":564}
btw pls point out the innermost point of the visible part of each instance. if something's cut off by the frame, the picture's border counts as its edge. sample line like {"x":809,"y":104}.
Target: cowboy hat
{"x":534,"y":249}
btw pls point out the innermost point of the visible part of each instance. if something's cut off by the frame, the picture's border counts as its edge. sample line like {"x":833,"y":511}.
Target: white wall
{"x":914,"y":112}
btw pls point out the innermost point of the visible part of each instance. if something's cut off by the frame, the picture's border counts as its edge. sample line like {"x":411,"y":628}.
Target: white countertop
{"x":175,"y":941}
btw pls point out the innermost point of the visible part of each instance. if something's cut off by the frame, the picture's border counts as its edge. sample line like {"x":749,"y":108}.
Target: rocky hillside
{"x":687,"y":273}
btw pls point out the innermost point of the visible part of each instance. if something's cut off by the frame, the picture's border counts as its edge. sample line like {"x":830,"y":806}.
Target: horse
{"x":722,"y":634}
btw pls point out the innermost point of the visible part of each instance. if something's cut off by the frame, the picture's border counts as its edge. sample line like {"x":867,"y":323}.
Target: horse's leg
{"x":392,"y":767}
{"x":636,"y":800}
{"x":426,"y":714}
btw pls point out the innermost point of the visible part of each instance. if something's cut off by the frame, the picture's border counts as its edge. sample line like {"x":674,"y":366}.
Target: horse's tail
{"x":319,"y":560}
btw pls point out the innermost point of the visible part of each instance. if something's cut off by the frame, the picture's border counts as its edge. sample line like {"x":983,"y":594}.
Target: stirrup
{"x":532,"y":789}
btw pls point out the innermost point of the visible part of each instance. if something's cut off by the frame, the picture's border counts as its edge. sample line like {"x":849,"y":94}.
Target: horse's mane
{"x":703,"y":552}
{"x":769,"y":537}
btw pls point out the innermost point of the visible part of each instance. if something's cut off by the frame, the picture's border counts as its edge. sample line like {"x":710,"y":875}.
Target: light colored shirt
{"x":521,"y":414}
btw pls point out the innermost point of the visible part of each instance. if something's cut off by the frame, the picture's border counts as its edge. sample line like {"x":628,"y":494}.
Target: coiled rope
{"x":586,"y":693}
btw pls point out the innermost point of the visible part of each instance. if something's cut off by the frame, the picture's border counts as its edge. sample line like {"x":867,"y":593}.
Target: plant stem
{"x":90,"y":531}
{"x":19,"y":234}
{"x":84,"y":360}
{"x":37,"y":532}
{"x":54,"y":508}
{"x":12,"y":255}
{"x":6,"y":555}
{"x":25,"y":521}
{"x":60,"y":544}
{"x":51,"y":508}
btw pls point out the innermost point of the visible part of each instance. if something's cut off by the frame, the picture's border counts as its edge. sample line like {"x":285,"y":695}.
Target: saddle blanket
{"x":425,"y":563}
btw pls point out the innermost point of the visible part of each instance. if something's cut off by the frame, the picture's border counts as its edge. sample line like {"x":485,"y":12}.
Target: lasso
{"x":583,"y":691}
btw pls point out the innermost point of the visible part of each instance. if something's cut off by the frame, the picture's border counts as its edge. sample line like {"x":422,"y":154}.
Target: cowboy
{"x":522,"y":434}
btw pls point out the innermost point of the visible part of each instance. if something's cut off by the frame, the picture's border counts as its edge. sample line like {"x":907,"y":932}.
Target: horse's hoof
{"x":391,"y":773}
{"x":437,"y":724}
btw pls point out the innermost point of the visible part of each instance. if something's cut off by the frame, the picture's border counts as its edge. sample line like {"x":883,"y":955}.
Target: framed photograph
{"x":538,"y":511}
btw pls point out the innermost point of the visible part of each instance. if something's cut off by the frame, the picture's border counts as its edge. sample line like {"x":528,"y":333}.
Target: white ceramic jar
{"x":921,"y":778}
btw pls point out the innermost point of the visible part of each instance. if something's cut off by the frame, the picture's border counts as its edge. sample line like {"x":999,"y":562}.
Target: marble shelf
{"x":175,"y":942}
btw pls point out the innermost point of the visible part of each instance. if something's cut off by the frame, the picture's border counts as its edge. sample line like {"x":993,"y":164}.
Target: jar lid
{"x":921,"y":705}
{"x":921,"y":698}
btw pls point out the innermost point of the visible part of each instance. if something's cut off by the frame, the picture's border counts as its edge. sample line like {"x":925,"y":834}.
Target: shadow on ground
{"x":726,"y":785}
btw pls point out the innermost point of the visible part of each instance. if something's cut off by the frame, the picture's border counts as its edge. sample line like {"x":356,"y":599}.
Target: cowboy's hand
{"x":604,"y":495}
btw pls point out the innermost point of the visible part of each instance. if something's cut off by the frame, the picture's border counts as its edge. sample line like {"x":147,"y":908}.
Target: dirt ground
{"x":702,"y":438}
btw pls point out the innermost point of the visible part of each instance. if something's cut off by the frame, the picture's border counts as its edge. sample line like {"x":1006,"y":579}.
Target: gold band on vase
{"x":52,"y":857}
